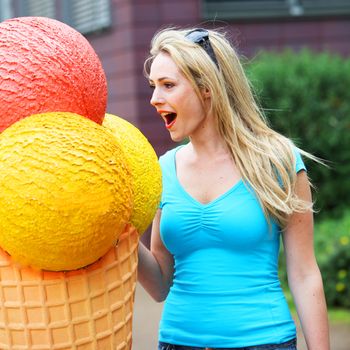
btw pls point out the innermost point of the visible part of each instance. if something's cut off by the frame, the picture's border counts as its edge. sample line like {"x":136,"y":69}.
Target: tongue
{"x":170,"y":120}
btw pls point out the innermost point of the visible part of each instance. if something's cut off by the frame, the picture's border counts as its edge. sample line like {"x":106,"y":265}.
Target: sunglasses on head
{"x":200,"y":36}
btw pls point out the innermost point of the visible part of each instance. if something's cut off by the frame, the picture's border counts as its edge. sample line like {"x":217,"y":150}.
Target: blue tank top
{"x":226,"y":291}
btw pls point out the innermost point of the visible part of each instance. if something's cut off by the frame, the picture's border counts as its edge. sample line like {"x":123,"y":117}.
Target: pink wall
{"x":124,"y":47}
{"x":318,"y":34}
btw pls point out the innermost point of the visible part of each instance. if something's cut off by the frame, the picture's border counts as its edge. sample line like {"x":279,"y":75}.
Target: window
{"x":255,"y":9}
{"x":5,"y":10}
{"x":42,"y":8}
{"x":326,"y":7}
{"x":87,"y":16}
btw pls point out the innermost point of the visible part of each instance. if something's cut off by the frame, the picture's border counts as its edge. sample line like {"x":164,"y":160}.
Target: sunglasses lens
{"x":198,"y":36}
{"x":201,"y":37}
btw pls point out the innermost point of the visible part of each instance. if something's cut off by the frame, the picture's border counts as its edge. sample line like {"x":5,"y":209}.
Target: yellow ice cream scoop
{"x":66,"y":193}
{"x":145,"y":170}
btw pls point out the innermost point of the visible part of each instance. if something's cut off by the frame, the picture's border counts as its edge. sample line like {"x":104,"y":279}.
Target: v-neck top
{"x":225,"y":291}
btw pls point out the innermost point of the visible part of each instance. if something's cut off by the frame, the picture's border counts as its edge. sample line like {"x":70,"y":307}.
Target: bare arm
{"x":155,"y":266}
{"x":304,"y":276}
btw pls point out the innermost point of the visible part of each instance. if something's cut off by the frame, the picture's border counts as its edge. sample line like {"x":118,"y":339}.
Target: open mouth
{"x":170,"y":119}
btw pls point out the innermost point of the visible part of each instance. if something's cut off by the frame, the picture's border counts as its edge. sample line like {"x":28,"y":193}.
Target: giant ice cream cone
{"x":86,"y":309}
{"x":75,"y":195}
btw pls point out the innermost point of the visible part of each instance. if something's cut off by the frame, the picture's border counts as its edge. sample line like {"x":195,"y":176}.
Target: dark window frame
{"x":86,"y":16}
{"x":242,"y":10}
{"x":97,"y":22}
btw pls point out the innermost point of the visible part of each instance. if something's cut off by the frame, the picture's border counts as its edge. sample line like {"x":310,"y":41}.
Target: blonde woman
{"x":228,"y":196}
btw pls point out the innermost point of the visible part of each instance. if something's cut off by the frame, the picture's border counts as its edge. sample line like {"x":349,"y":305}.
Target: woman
{"x":228,"y":196}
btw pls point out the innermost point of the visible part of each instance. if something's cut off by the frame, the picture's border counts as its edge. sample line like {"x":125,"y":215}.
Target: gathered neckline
{"x":237,"y":184}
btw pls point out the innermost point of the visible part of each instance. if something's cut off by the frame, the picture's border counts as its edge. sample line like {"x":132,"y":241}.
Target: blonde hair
{"x":265,"y":158}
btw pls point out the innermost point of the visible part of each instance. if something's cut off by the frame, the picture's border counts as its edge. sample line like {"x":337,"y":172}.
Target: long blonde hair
{"x":265,"y":158}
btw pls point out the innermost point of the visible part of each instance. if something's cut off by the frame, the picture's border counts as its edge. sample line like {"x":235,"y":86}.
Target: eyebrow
{"x":161,"y":79}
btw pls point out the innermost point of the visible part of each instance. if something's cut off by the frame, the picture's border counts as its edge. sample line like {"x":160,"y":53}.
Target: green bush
{"x":332,"y":248}
{"x":306,"y":96}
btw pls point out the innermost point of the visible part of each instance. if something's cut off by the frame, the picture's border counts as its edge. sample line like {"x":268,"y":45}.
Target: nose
{"x":156,"y":98}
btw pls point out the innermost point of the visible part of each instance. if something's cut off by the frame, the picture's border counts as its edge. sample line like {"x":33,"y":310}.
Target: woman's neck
{"x":207,"y":146}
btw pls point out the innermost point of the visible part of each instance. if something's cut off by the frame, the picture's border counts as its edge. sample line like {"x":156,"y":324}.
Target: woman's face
{"x":175,"y":99}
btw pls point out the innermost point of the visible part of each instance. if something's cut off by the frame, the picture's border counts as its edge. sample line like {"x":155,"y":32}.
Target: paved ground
{"x":147,"y":313}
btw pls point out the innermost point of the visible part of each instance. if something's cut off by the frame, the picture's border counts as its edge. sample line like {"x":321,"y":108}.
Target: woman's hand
{"x":155,"y":266}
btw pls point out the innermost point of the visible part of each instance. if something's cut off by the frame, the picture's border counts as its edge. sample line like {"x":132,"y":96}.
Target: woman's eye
{"x":151,"y":86}
{"x":168,"y":85}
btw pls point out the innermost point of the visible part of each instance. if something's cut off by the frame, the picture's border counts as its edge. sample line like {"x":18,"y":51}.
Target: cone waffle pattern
{"x":86,"y":309}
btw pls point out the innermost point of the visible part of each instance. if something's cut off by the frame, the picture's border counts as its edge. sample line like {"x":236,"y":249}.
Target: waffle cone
{"x":85,"y":309}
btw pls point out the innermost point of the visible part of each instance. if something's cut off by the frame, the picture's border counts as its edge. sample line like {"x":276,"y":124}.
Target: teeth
{"x":169,"y":117}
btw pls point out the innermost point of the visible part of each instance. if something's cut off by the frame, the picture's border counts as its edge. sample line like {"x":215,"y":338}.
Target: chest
{"x":207,"y":180}
{"x":234,"y":221}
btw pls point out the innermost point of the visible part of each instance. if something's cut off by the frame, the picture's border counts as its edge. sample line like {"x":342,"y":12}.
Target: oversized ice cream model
{"x":77,"y":188}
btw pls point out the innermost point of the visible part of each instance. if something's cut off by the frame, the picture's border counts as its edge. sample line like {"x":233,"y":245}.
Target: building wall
{"x":318,"y":34}
{"x":124,"y":47}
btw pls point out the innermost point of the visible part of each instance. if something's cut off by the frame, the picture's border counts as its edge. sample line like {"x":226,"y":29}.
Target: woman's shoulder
{"x":169,"y":156}
{"x":299,"y":163}
{"x":297,"y":160}
{"x":287,"y":152}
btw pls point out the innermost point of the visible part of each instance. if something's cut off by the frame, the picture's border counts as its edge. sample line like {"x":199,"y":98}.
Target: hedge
{"x":306,"y":96}
{"x":332,"y":248}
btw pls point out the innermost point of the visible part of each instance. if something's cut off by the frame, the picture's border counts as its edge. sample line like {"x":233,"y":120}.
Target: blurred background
{"x":296,"y":54}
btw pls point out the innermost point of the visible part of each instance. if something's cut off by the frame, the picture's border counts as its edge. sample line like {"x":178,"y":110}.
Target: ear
{"x":206,"y":93}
